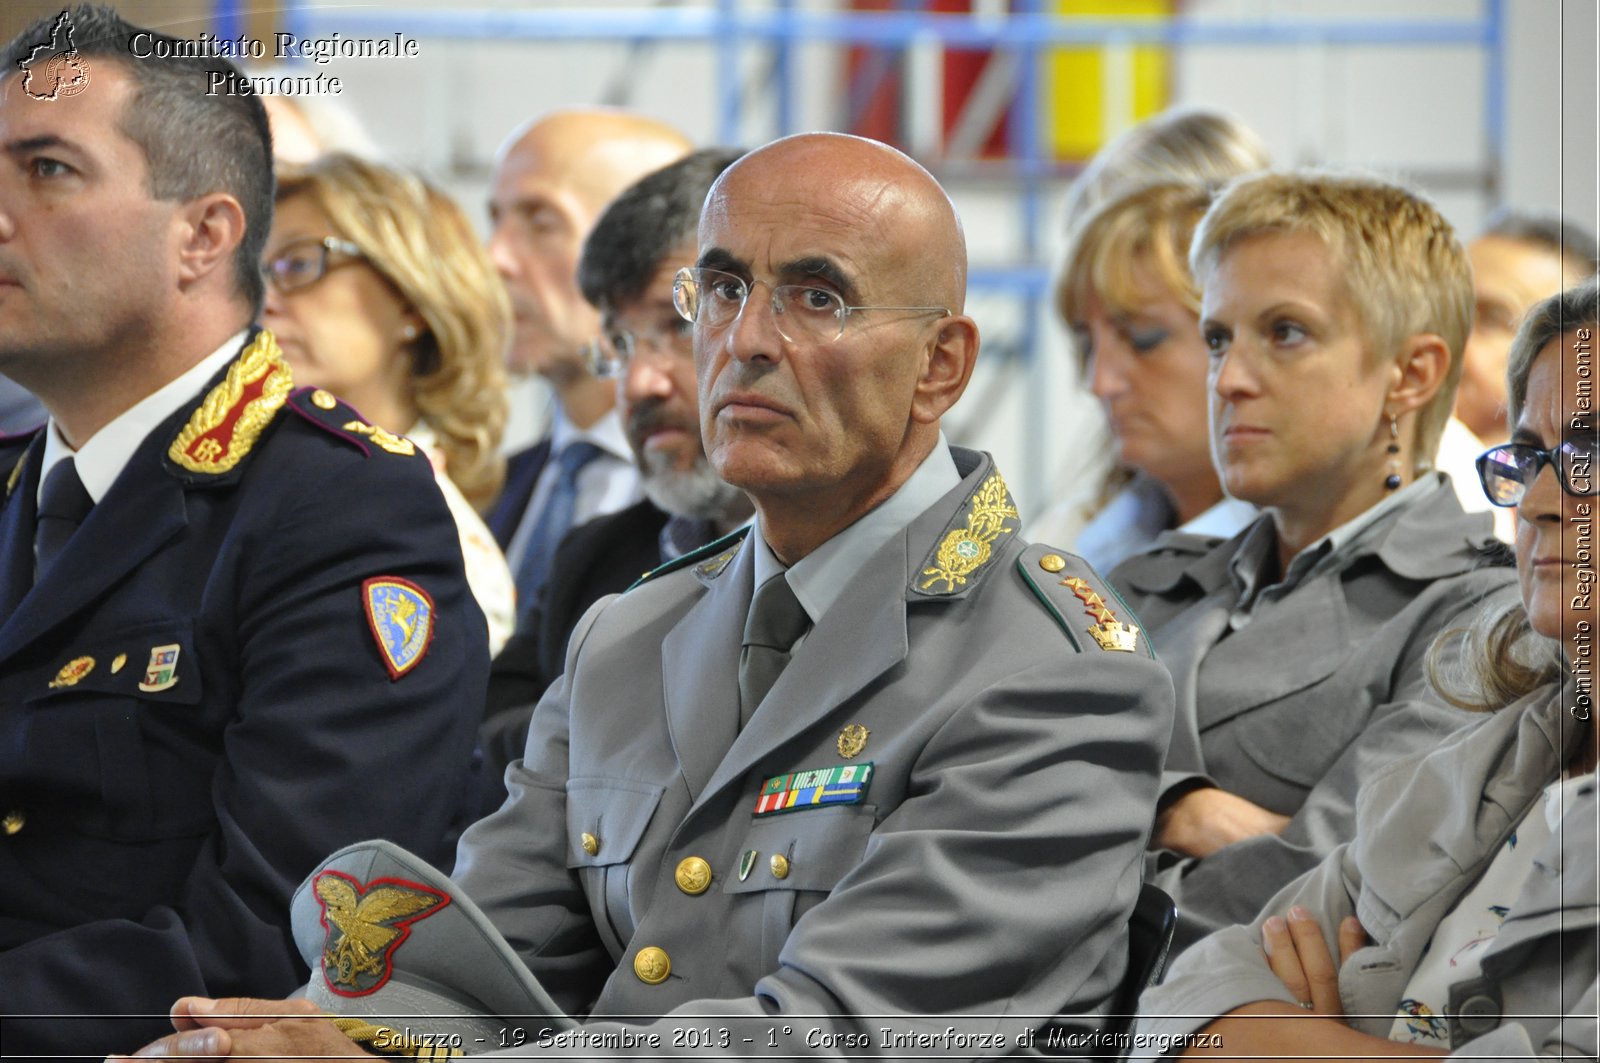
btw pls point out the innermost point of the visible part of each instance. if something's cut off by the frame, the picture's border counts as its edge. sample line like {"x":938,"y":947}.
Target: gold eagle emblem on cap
{"x":365,"y":928}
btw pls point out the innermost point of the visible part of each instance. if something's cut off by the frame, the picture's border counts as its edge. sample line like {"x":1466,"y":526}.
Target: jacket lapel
{"x":700,"y":671}
{"x":143,"y":511}
{"x":522,"y":474}
{"x":16,"y":530}
{"x":864,"y":636}
{"x":145,"y":507}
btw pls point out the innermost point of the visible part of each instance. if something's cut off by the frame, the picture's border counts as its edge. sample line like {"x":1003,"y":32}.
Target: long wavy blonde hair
{"x":419,"y":240}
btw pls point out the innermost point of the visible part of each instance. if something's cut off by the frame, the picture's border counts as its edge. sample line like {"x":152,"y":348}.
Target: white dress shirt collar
{"x":101,"y":459}
{"x":606,"y":433}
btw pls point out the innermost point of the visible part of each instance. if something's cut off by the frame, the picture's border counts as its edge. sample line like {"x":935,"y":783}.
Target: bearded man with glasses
{"x":874,"y":774}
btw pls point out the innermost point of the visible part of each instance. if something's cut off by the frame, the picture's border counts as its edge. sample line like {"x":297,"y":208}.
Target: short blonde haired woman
{"x":1461,"y":918}
{"x":380,"y":292}
{"x":1334,"y":309}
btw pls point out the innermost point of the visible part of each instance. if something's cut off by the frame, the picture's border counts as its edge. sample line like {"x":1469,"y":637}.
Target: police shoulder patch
{"x":709,"y":560}
{"x":366,"y":923}
{"x":400,"y":614}
{"x":1080,"y":601}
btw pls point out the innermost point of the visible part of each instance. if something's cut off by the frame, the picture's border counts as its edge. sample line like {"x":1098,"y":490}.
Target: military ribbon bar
{"x":843,"y":784}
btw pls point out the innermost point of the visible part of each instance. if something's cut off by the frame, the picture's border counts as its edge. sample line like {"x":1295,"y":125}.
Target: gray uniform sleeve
{"x":1228,"y":969}
{"x":1233,"y":884}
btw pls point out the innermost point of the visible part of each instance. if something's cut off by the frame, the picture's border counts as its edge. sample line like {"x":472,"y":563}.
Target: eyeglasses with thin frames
{"x":1508,"y":471}
{"x":802,"y":312}
{"x":617,"y":347}
{"x":302,"y":263}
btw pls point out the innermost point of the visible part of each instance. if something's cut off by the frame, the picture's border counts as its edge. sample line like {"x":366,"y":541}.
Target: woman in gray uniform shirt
{"x":1473,"y":868}
{"x":1335,"y":310}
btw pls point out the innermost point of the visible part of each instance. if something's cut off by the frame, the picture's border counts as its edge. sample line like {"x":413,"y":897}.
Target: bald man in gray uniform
{"x":874,"y":777}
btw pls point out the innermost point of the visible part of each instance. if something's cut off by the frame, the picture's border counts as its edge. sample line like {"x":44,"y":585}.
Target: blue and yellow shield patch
{"x":400,"y":614}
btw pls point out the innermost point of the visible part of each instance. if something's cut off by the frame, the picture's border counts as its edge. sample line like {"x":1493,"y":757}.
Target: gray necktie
{"x":776,"y":620}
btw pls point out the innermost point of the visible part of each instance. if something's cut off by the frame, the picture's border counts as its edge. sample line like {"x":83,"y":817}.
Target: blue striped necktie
{"x":555,"y":520}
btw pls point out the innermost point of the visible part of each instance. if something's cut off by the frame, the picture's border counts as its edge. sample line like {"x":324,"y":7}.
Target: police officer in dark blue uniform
{"x":235,"y":632}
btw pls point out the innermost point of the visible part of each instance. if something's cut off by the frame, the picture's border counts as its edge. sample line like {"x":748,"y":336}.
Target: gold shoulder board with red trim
{"x":228,"y":422}
{"x":1080,"y":601}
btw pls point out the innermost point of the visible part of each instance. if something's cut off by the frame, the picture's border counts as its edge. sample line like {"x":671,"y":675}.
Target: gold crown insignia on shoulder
{"x":226,"y":425}
{"x":1108,"y":631}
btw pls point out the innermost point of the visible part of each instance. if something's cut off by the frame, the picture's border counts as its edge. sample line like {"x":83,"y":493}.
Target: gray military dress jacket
{"x":982,"y":880}
{"x":1322,"y":687}
{"x":1428,"y":828}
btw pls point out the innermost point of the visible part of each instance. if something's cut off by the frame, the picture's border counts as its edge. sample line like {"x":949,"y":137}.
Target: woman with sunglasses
{"x":1461,"y":919}
{"x":379,"y":292}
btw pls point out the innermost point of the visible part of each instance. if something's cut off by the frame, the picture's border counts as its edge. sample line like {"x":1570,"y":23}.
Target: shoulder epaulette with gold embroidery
{"x":225,"y":426}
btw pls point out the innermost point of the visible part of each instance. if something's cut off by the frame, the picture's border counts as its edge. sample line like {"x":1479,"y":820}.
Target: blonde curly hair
{"x":419,"y":240}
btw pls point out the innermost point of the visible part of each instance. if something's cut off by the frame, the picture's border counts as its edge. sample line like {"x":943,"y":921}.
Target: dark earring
{"x":1391,"y":482}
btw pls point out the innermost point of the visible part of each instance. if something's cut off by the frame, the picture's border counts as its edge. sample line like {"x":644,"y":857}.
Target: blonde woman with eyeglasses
{"x":379,"y":292}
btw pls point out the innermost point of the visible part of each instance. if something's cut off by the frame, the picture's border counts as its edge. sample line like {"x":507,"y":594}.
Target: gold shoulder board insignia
{"x":1107,"y":630}
{"x":16,"y":474}
{"x":963,"y":551}
{"x":226,"y":425}
{"x":382,"y":437}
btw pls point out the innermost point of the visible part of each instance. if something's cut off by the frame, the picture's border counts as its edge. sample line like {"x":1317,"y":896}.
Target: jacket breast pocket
{"x":118,"y":730}
{"x":795,"y":860}
{"x":1292,"y":744}
{"x":606,"y":818}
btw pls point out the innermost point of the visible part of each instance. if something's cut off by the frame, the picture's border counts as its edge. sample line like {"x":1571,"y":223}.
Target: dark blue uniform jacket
{"x":153,"y":822}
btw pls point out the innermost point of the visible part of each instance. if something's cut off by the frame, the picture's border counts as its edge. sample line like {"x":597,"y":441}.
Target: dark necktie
{"x":63,"y":503}
{"x":555,"y":520}
{"x":775,"y":621}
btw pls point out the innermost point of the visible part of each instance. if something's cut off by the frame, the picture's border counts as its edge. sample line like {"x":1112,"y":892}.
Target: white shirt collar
{"x":821,"y":576}
{"x":606,"y":433}
{"x":101,"y":459}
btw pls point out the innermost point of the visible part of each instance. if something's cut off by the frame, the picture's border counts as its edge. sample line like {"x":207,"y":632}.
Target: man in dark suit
{"x":626,"y":271}
{"x":231,"y":615}
{"x":551,"y":181}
